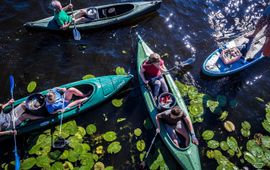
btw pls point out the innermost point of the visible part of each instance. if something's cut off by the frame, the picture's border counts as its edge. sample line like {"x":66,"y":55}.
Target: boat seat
{"x":109,"y":12}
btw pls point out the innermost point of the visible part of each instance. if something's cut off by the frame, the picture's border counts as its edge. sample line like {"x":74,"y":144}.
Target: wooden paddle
{"x":76,"y":33}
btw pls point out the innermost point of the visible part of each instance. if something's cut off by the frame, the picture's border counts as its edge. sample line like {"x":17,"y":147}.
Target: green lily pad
{"x":138,"y":132}
{"x":114,"y":147}
{"x":109,"y":136}
{"x":31,"y":86}
{"x":43,"y":161}
{"x":246,"y":125}
{"x":266,"y":125}
{"x":231,"y":152}
{"x":64,"y":155}
{"x":208,"y":134}
{"x":120,"y":120}
{"x":222,"y":100}
{"x":147,"y":124}
{"x":28,"y":163}
{"x":195,"y":110}
{"x":183,"y":89}
{"x":142,"y":155}
{"x":81,"y":131}
{"x":224,"y":146}
{"x":99,"y":166}
{"x":223,"y":115}
{"x":99,"y":150}
{"x":57,"y":166}
{"x":120,"y":71}
{"x":91,"y":129}
{"x":210,"y":154}
{"x":250,"y":144}
{"x":88,"y":76}
{"x":212,"y":105}
{"x":109,"y":168}
{"x":55,"y":154}
{"x":86,"y":147}
{"x":232,"y":143}
{"x":267,"y":116}
{"x":250,"y":158}
{"x":245,"y":133}
{"x":68,"y":165}
{"x":266,"y":141}
{"x":140,"y":145}
{"x":117,"y":102}
{"x":73,"y":156}
{"x":229,"y":126}
{"x":213,"y":144}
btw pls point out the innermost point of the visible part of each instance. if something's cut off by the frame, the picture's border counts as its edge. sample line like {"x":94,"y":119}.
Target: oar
{"x":142,"y":164}
{"x":17,"y":158}
{"x":76,"y":33}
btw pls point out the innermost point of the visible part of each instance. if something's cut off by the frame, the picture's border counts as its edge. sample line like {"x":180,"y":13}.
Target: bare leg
{"x":73,"y":91}
{"x":181,"y":129}
{"x":80,"y":14}
{"x":266,"y":47}
{"x":164,"y":86}
{"x":77,"y":102}
{"x":81,"y":20}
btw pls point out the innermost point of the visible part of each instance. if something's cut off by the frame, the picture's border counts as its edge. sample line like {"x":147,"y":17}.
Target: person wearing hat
{"x":151,"y":72}
{"x":173,"y":123}
{"x":63,"y":19}
{"x":59,"y":99}
{"x":6,"y":119}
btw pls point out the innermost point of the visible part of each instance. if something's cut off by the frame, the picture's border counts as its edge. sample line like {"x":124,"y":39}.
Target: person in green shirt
{"x":63,"y":19}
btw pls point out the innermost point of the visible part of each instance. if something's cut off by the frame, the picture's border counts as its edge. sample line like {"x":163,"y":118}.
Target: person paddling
{"x":63,"y":19}
{"x":173,"y":123}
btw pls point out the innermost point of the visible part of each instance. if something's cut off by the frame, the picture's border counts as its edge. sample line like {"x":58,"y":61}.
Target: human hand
{"x":12,"y":132}
{"x":70,"y":6}
{"x":195,"y":140}
{"x":11,"y":101}
{"x":146,"y":81}
{"x":157,"y":130}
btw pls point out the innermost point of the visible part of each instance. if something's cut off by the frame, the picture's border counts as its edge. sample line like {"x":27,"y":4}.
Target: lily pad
{"x":28,"y":163}
{"x":99,"y":166}
{"x":138,"y":132}
{"x":57,"y":166}
{"x":223,"y":116}
{"x":43,"y":161}
{"x":224,"y":146}
{"x":210,"y":154}
{"x":266,"y":141}
{"x":195,"y":110}
{"x":68,"y":165}
{"x":208,"y":134}
{"x":99,"y":150}
{"x":55,"y":154}
{"x":213,"y":144}
{"x":212,"y":105}
{"x":246,"y":125}
{"x":120,"y":71}
{"x":231,"y":152}
{"x":140,"y":145}
{"x":250,"y":144}
{"x":114,"y":147}
{"x":91,"y":129}
{"x":232,"y":143}
{"x":109,"y":168}
{"x":245,"y":133}
{"x":266,"y":125}
{"x":229,"y":126}
{"x":120,"y":120}
{"x":250,"y":158}
{"x":109,"y":136}
{"x":31,"y":86}
{"x":117,"y":102}
{"x":88,"y":76}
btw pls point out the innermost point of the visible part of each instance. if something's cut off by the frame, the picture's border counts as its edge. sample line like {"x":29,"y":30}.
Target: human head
{"x":154,"y":58}
{"x":50,"y":97}
{"x":176,"y":111}
{"x":56,"y":5}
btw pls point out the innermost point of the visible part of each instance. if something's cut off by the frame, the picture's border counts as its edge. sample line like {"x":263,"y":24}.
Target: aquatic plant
{"x":120,"y":71}
{"x":88,"y":76}
{"x":245,"y":130}
{"x":229,"y":126}
{"x":213,"y":144}
{"x":223,"y":115}
{"x":91,"y":129}
{"x":140,"y":145}
{"x":138,"y":132}
{"x":117,"y":102}
{"x":31,"y":86}
{"x":109,"y":136}
{"x":114,"y":147}
{"x":208,"y":134}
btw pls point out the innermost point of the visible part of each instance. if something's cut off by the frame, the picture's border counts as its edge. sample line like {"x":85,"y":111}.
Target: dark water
{"x":180,"y":28}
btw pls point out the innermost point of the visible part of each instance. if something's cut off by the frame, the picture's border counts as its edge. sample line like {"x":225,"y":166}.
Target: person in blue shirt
{"x":59,"y":99}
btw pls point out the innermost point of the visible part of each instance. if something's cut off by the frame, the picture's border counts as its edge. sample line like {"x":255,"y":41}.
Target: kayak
{"x":106,"y":15}
{"x":188,"y":156}
{"x":98,"y":89}
{"x":251,"y":50}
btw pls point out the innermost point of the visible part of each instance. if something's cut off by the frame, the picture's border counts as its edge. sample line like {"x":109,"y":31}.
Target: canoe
{"x":187,"y":157}
{"x":250,"y":48}
{"x":99,"y":89}
{"x":122,"y":12}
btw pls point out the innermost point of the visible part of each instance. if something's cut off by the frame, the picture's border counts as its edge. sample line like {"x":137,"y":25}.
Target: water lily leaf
{"x":138,"y":132}
{"x":87,"y":160}
{"x":142,"y":155}
{"x":195,"y":110}
{"x":140,"y":145}
{"x":266,"y":125}
{"x":259,"y":99}
{"x":267,"y":116}
{"x":212,"y":105}
{"x":109,"y":136}
{"x":223,"y":145}
{"x":232,"y":143}
{"x":147,"y":124}
{"x":88,"y":76}
{"x":99,"y":166}
{"x":43,"y":161}
{"x":68,"y":165}
{"x":31,"y":86}
{"x":91,"y":129}
{"x":213,"y":144}
{"x":208,"y":134}
{"x":183,"y":89}
{"x":120,"y":120}
{"x":222,"y":100}
{"x":229,"y":126}
{"x":120,"y":71}
{"x":99,"y":150}
{"x":109,"y":168}
{"x":250,"y":144}
{"x":231,"y":152}
{"x":250,"y":158}
{"x":117,"y":102}
{"x":266,"y":141}
{"x":81,"y":131}
{"x":246,"y":125}
{"x":114,"y":147}
{"x":64,"y":155}
{"x":245,"y":133}
{"x":233,"y":103}
{"x":55,"y":155}
{"x":57,"y":166}
{"x":223,"y":116}
{"x":86,"y":147}
{"x":210,"y":154}
{"x":73,"y":156}
{"x":27,"y":163}
{"x":257,"y":151}
{"x":197,"y":119}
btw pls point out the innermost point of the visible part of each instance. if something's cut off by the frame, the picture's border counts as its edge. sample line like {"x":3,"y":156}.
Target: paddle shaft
{"x":149,"y":149}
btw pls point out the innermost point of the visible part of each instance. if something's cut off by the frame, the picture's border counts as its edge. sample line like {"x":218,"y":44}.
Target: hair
{"x":55,"y":4}
{"x":176,"y":111}
{"x":154,"y":58}
{"x":50,"y":96}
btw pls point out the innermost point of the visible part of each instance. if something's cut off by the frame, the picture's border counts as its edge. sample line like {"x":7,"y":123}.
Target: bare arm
{"x":65,"y":26}
{"x":158,"y":124}
{"x":8,"y":132}
{"x":68,"y":7}
{"x":190,"y":127}
{"x":142,"y":75}
{"x":8,"y":103}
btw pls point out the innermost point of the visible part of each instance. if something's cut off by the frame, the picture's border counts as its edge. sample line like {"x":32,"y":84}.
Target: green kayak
{"x":105,"y":15}
{"x":188,"y":157}
{"x":99,"y":89}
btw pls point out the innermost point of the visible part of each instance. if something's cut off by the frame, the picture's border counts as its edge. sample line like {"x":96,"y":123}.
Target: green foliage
{"x":223,"y":115}
{"x":212,"y":105}
{"x":229,"y":126}
{"x":31,"y":86}
{"x":120,"y":71}
{"x":224,"y":146}
{"x":138,"y":132}
{"x":232,"y":143}
{"x":91,"y":129}
{"x":140,"y":145}
{"x":88,"y":76}
{"x":28,"y":163}
{"x":117,"y":102}
{"x":213,"y":144}
{"x":208,"y":134}
{"x":114,"y":147}
{"x":109,"y":136}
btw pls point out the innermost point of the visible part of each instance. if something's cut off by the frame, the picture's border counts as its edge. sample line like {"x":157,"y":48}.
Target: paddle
{"x":17,"y":158}
{"x":76,"y":33}
{"x":142,"y":164}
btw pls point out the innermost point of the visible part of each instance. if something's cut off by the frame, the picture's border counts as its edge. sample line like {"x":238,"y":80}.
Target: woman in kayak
{"x":59,"y":99}
{"x":6,"y":119}
{"x":173,"y":123}
{"x":63,"y":19}
{"x":151,"y":71}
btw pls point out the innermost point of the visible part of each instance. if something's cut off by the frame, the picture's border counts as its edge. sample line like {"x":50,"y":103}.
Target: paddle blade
{"x":187,"y":62}
{"x":17,"y":160}
{"x":11,"y":80}
{"x":76,"y":34}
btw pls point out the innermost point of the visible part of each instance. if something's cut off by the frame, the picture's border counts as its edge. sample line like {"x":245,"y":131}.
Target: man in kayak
{"x":59,"y":99}
{"x":173,"y":123}
{"x":151,"y":72}
{"x":63,"y":19}
{"x":262,"y":22}
{"x":6,"y":119}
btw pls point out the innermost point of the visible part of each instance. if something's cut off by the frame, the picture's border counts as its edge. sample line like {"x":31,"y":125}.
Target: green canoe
{"x":99,"y":89}
{"x":187,"y":157}
{"x":121,"y":12}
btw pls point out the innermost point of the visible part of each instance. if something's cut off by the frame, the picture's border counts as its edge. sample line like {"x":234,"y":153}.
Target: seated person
{"x":174,"y":124}
{"x":151,"y":71}
{"x":56,"y":102}
{"x":63,"y":19}
{"x":6,"y":119}
{"x":230,"y":55}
